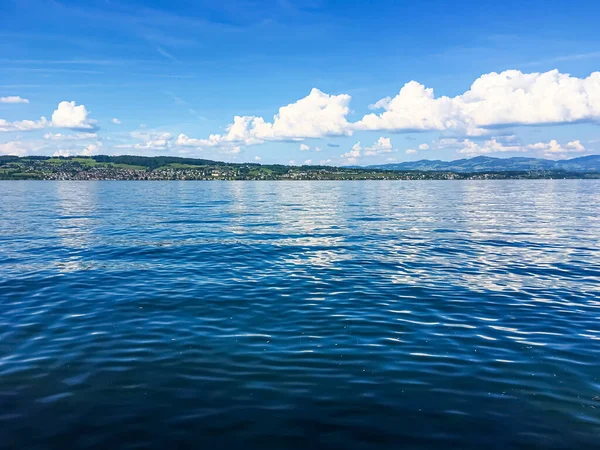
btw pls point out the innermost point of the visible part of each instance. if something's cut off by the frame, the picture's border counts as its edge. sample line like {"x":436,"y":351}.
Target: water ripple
{"x":302,"y":314}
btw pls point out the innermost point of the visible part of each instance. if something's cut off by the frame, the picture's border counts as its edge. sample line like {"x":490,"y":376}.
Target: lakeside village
{"x":104,"y":168}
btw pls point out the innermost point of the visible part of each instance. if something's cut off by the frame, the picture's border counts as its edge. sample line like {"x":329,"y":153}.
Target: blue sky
{"x":173,"y":73}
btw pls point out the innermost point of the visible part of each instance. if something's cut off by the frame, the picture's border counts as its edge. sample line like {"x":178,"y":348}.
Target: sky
{"x":340,"y":82}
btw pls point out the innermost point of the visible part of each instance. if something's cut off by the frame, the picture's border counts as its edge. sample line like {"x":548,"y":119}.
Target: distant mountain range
{"x":488,"y":164}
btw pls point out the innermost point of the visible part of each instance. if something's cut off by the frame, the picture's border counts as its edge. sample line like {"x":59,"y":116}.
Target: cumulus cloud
{"x":154,"y":141}
{"x":314,"y":116}
{"x":116,"y":121}
{"x":576,"y":146}
{"x":13,"y":99}
{"x":213,"y":141}
{"x":325,"y":162}
{"x":551,"y":149}
{"x":471,"y":148}
{"x":66,"y":115}
{"x":352,"y":156}
{"x":454,"y":143}
{"x":495,"y":99}
{"x":149,"y":140}
{"x":185,"y":141}
{"x":502,"y":144}
{"x":257,"y":158}
{"x":92,"y":149}
{"x":306,"y":148}
{"x":23,"y":125}
{"x":70,"y":115}
{"x":554,"y":150}
{"x":35,"y":147}
{"x":162,"y":141}
{"x":17,"y":148}
{"x":308,"y":162}
{"x":381,"y":104}
{"x":381,"y":146}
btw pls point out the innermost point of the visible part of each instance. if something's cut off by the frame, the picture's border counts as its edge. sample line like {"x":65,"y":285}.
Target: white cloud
{"x":149,"y":136}
{"x":306,"y":148}
{"x":66,"y":115}
{"x":494,"y":99}
{"x":161,"y":141}
{"x":421,"y":147}
{"x":17,"y":148}
{"x":186,"y":141}
{"x":150,"y":140}
{"x":13,"y":99}
{"x":471,"y":148}
{"x":308,"y":162}
{"x":381,"y":104}
{"x":69,"y":115}
{"x":90,"y":150}
{"x":116,"y":121}
{"x":354,"y":153}
{"x":553,"y":149}
{"x":23,"y":125}
{"x":383,"y":145}
{"x":257,"y":158}
{"x":325,"y":162}
{"x":70,"y":137}
{"x":576,"y":146}
{"x":62,"y":152}
{"x":213,"y":141}
{"x":292,"y":162}
{"x":550,"y":149}
{"x":503,"y":144}
{"x":314,"y":116}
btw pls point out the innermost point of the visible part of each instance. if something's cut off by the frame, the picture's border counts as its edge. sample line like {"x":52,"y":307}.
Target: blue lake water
{"x":350,"y":315}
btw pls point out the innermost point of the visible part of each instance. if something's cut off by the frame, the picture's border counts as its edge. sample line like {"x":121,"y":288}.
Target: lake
{"x":350,"y":315}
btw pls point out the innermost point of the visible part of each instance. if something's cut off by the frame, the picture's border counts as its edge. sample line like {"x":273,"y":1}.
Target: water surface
{"x":350,"y":315}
